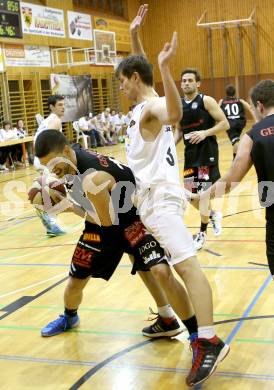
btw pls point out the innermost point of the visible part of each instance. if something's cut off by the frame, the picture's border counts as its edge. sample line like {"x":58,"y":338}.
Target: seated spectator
{"x":22,"y":133}
{"x":8,"y":153}
{"x":107,"y":126}
{"x":113,"y":113}
{"x":4,"y":152}
{"x":95,"y":123}
{"x":128,"y":118}
{"x":85,"y":126}
{"x":119,"y":125}
{"x":7,"y":132}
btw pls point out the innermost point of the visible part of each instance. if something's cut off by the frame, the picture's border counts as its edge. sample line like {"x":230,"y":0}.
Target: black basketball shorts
{"x":235,"y":130}
{"x":199,"y":179}
{"x":99,"y":250}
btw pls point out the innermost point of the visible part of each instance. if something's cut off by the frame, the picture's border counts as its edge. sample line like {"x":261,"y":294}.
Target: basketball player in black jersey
{"x":202,"y":119}
{"x":256,"y":148}
{"x":111,"y":229}
{"x":235,"y":111}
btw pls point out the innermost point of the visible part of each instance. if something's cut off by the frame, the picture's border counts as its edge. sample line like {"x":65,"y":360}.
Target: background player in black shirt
{"x":256,"y":148}
{"x":235,"y":111}
{"x":202,"y":119}
{"x":103,"y":187}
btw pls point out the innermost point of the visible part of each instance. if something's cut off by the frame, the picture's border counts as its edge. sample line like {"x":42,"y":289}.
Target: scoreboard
{"x":10,"y":19}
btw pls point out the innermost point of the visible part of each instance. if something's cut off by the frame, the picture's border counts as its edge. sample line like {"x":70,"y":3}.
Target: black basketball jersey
{"x":262,"y":135}
{"x":121,"y":195}
{"x":196,"y":118}
{"x":233,"y":109}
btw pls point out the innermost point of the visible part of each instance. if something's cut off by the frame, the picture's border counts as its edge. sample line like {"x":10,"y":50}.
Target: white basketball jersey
{"x":153,"y":162}
{"x":44,"y":125}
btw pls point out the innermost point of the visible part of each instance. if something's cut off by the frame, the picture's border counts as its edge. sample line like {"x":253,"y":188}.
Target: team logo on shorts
{"x":92,"y":237}
{"x":194,"y":105}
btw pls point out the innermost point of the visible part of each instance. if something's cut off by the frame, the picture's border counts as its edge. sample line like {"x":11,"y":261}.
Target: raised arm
{"x":138,"y":21}
{"x":167,"y":110}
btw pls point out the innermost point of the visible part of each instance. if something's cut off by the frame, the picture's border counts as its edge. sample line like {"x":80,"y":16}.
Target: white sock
{"x":206,"y":332}
{"x":166,"y":311}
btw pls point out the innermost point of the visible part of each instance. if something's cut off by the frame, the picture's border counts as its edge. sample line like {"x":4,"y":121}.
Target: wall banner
{"x":28,"y":55}
{"x":78,"y":94}
{"x":40,"y":20}
{"x":79,"y":26}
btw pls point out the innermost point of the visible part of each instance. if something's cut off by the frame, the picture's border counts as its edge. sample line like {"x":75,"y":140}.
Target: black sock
{"x":191,"y":324}
{"x":71,"y":312}
{"x":234,"y":155}
{"x":203,"y":227}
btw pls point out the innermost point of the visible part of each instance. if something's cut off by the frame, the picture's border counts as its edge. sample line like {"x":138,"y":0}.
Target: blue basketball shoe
{"x":60,"y":325}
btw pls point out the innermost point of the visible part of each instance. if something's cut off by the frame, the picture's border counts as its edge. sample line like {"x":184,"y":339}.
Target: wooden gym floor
{"x":107,"y":351}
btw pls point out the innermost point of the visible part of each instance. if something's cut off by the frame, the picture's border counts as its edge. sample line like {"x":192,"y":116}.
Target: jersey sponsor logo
{"x":148,"y":245}
{"x":92,"y":237}
{"x":203,"y":173}
{"x":168,"y":128}
{"x":132,"y":123}
{"x":82,"y":257}
{"x":135,"y":233}
{"x":192,"y":125}
{"x":194,"y":105}
{"x":188,"y":171}
{"x":153,"y":256}
{"x":266,"y":132}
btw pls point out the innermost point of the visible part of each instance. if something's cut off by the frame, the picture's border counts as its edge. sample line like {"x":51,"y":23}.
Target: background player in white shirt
{"x":56,"y":105}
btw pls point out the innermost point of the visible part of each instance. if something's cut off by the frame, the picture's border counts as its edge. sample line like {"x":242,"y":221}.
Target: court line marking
{"x":238,"y":326}
{"x":134,"y":334}
{"x":219,"y":267}
{"x":242,"y":212}
{"x":235,"y":330}
{"x":143,"y":367}
{"x":38,"y":246}
{"x":70,"y":244}
{"x":32,"y":285}
{"x":262,"y":264}
{"x":212,"y":252}
{"x":103,"y":363}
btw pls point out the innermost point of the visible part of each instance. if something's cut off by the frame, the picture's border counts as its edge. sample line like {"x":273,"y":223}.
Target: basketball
{"x":44,"y":188}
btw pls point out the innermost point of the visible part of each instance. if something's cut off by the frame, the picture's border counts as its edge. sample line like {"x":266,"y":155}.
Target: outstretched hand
{"x":168,"y":51}
{"x":138,"y":21}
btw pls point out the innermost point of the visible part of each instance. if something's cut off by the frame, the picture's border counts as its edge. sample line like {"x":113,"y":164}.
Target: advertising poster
{"x":40,"y":20}
{"x":28,"y":55}
{"x":79,"y":26}
{"x":78,"y":94}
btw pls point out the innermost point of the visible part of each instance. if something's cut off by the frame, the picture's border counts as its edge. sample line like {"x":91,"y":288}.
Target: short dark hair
{"x":136,"y":63}
{"x":230,"y":90}
{"x":5,"y":123}
{"x":53,"y":99}
{"x":263,"y":92}
{"x":193,"y":71}
{"x":49,"y":141}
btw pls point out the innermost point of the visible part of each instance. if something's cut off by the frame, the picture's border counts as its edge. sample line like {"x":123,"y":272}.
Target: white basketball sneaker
{"x":216,"y":221}
{"x":199,"y":240}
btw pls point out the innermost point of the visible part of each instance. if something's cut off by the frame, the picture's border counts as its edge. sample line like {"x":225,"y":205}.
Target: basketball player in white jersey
{"x":151,"y":155}
{"x":56,"y":105}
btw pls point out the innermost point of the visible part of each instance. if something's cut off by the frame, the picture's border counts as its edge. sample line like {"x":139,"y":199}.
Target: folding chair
{"x":80,"y":135}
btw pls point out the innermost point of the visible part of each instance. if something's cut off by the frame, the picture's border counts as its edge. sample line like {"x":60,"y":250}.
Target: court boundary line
{"x":103,"y":363}
{"x":260,"y":377}
{"x":255,"y":299}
